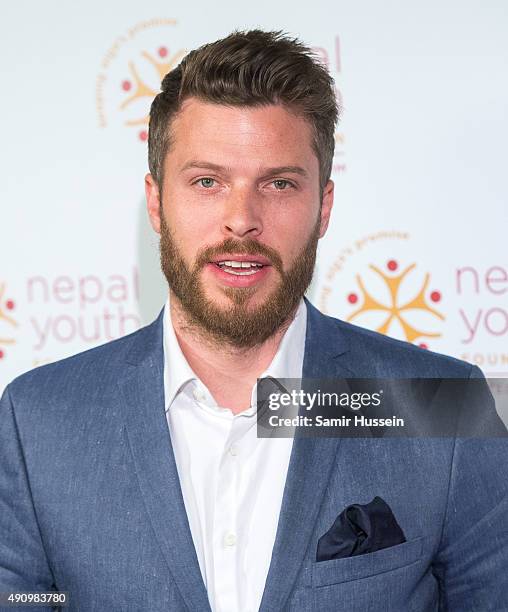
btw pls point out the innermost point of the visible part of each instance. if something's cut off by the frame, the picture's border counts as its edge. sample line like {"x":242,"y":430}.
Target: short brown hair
{"x":253,"y":68}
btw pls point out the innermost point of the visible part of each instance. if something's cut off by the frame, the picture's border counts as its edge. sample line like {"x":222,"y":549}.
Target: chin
{"x":254,"y":301}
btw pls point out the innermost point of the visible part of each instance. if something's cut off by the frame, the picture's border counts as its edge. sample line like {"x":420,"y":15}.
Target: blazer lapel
{"x":310,"y":465}
{"x":142,"y":389}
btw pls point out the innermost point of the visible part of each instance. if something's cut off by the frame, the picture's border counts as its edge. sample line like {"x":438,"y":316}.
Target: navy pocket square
{"x":360,"y":529}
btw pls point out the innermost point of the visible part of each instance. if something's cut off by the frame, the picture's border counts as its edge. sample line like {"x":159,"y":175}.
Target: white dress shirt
{"x":232,"y":481}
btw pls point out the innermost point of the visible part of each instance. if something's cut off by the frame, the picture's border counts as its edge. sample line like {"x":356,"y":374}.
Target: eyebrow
{"x":266,"y":171}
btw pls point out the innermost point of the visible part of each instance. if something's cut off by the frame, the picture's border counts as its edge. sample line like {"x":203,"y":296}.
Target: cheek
{"x":183,"y":219}
{"x":293,"y":231}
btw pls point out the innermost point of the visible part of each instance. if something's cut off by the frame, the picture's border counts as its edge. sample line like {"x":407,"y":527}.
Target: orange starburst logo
{"x":137,"y":88}
{"x":397,"y":309}
{"x":5,"y":306}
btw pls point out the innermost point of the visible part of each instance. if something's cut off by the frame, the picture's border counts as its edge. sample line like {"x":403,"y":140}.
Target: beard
{"x":236,"y":324}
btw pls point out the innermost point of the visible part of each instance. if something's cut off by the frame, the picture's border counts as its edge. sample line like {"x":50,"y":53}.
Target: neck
{"x":229,"y":372}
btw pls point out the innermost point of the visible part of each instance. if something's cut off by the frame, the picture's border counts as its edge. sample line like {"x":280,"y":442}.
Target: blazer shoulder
{"x":89,"y":371}
{"x":397,"y":358}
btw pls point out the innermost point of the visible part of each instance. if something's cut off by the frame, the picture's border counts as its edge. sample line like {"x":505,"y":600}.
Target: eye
{"x":281,"y":184}
{"x":206,"y":182}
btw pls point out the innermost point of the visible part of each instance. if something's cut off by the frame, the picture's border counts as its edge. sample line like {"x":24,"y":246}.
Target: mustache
{"x":249,"y":246}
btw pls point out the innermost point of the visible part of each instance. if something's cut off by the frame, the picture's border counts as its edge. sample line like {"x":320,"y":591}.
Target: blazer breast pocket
{"x":370,"y":564}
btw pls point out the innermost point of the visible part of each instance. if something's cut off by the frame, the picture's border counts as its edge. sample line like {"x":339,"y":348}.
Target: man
{"x":131,"y":475}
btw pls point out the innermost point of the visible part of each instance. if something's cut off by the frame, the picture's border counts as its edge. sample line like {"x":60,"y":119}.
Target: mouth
{"x":241,"y":265}
{"x":240,"y":271}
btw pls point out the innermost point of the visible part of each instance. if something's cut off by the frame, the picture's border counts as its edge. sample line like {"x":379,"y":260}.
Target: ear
{"x":326,"y":207}
{"x":153,"y":202}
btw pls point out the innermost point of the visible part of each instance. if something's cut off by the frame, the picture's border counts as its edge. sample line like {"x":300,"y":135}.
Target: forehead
{"x":270,"y":133}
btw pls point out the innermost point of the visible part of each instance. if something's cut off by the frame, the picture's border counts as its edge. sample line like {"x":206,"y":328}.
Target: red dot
{"x":423,"y":345}
{"x":126,"y":85}
{"x":352,"y":298}
{"x":143,"y":135}
{"x":1,"y":354}
{"x":163,"y":51}
{"x":9,"y":304}
{"x":392,"y":265}
{"x":435,"y":296}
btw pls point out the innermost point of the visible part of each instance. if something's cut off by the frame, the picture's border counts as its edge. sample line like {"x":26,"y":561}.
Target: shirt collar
{"x":287,"y":362}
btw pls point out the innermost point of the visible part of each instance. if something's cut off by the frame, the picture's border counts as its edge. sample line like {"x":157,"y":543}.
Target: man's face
{"x":240,"y":217}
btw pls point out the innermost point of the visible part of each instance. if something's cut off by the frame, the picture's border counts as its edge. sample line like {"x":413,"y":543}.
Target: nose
{"x":242,"y":214}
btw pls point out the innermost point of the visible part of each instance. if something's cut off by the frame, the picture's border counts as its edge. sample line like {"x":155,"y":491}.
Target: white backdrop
{"x":417,"y":244}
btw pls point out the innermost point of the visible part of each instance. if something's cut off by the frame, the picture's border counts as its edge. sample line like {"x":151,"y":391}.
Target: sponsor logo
{"x":386,"y":282}
{"x":483,"y":316}
{"x":131,"y":72}
{"x":87,"y":310}
{"x":137,"y":89}
{"x":396,"y":310}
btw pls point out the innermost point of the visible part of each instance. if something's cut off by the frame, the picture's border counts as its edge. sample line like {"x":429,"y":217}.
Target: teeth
{"x":240,"y":264}
{"x":240,"y":268}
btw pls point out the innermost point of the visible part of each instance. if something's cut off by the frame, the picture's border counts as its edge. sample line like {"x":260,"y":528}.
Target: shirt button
{"x":199,"y":396}
{"x":233,"y":450}
{"x":230,"y":539}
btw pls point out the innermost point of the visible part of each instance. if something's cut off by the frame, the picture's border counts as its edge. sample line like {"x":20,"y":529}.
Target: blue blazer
{"x":90,"y":500}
